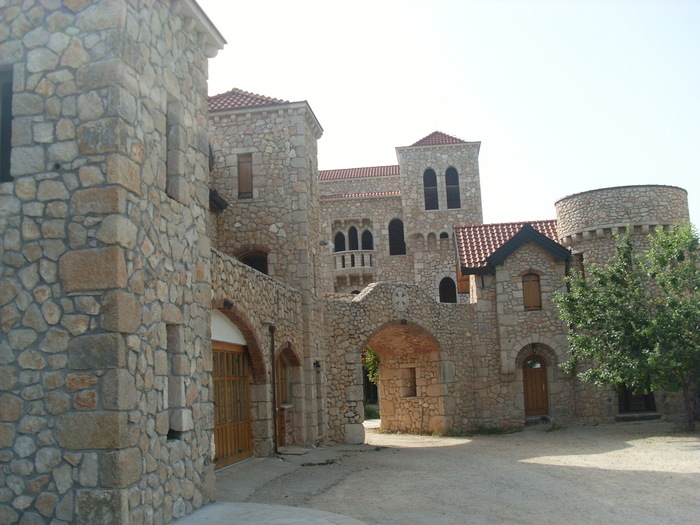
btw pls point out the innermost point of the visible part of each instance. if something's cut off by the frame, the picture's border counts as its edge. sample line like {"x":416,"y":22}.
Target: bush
{"x":371,"y":412}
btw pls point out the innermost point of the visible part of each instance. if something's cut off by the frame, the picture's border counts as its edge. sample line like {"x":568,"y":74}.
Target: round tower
{"x":587,"y":220}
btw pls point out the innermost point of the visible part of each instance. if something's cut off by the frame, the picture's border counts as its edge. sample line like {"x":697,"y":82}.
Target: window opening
{"x":452,"y":189}
{"x":5,"y":124}
{"x":532,"y":299}
{"x":257,"y":261}
{"x":444,"y":235}
{"x":430,"y":191}
{"x":397,"y":245}
{"x":367,"y":240}
{"x":409,"y":386}
{"x":245,"y":176}
{"x":448,"y":291}
{"x":352,"y":239}
{"x":339,"y":242}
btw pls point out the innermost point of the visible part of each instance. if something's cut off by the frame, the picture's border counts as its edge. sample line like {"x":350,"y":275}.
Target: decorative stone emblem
{"x":400,"y":298}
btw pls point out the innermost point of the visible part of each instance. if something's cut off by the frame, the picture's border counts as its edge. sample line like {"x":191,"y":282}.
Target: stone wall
{"x":359,"y":185}
{"x":282,"y":219}
{"x":415,"y":160}
{"x":106,"y":404}
{"x":255,"y":300}
{"x":589,"y":214}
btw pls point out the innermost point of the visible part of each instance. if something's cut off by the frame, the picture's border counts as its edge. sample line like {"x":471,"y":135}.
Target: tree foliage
{"x":370,"y":361}
{"x":635,"y":321}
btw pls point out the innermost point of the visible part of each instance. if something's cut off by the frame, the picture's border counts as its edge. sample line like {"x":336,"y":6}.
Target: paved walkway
{"x":259,"y":514}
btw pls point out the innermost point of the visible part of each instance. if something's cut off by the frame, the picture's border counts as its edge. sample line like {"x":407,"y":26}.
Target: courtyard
{"x":629,"y":473}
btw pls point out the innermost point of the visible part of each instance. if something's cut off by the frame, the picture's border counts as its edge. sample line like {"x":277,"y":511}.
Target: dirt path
{"x":639,"y":473}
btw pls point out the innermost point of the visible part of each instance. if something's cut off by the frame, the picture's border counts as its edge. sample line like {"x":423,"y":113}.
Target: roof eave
{"x":271,"y":107}
{"x":528,"y":234}
{"x":215,"y":41}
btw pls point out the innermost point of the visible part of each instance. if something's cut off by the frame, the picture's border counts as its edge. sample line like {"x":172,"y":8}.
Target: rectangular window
{"x":245,"y":176}
{"x":5,"y":123}
{"x":408,"y":382}
{"x":532,"y":299}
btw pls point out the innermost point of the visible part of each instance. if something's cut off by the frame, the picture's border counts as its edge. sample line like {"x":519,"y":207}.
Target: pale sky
{"x":565,"y":96}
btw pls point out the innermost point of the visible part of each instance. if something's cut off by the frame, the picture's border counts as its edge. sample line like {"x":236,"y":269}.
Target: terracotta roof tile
{"x":237,"y":99}
{"x":438,"y":138}
{"x":360,"y":195}
{"x":476,"y":243}
{"x":358,"y":173}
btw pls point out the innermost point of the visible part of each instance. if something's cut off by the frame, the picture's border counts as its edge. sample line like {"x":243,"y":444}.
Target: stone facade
{"x":114,"y":256}
{"x":106,"y":405}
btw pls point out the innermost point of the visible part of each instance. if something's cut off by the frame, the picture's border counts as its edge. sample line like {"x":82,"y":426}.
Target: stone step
{"x":637,"y":416}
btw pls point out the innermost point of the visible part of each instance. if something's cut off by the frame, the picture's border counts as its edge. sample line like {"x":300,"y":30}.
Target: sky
{"x":564,"y":96}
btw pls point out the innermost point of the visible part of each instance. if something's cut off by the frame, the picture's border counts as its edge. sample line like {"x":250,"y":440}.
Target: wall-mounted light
{"x":228,"y":304}
{"x":317,"y":367}
{"x":534,"y":348}
{"x":327,"y":243}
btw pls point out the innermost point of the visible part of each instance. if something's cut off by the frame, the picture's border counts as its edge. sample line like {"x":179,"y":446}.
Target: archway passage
{"x":233,"y":434}
{"x":535,"y":386}
{"x":410,"y":384}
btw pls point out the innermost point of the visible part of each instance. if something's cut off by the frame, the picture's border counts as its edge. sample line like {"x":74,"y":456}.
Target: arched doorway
{"x":410,"y":382}
{"x":231,"y":375}
{"x":535,"y":386}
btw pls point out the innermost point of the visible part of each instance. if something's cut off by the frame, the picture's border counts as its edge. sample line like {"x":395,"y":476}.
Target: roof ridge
{"x":438,"y":138}
{"x":237,"y":98}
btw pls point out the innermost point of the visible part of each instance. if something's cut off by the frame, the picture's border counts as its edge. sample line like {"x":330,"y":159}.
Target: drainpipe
{"x":273,"y":370}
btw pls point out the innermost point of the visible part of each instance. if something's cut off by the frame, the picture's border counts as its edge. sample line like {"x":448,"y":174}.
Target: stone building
{"x":181,"y":288}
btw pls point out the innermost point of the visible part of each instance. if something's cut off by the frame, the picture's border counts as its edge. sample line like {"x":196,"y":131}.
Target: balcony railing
{"x":354,"y":259}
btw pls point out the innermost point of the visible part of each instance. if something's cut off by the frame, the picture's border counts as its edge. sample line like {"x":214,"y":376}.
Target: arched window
{"x":444,"y":235}
{"x":430,"y":190}
{"x":352,"y":239}
{"x":532,"y":299}
{"x":339,"y":242}
{"x":452,"y":188}
{"x":397,"y":246}
{"x":448,"y":291}
{"x":256,"y":260}
{"x":367,"y":240}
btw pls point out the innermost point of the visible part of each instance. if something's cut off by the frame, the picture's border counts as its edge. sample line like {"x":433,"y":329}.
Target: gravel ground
{"x":631,"y":473}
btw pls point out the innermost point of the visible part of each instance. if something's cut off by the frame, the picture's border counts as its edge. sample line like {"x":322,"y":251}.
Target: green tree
{"x":636,"y":320}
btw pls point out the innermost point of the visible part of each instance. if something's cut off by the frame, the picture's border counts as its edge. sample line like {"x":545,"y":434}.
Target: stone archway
{"x":410,"y":384}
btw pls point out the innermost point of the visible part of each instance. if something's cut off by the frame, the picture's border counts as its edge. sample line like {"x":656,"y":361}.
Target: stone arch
{"x":411,"y":385}
{"x":511,"y":349}
{"x":257,"y":359}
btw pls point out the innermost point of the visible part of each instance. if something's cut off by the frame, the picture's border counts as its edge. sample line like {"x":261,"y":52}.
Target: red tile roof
{"x":237,"y":99}
{"x":438,"y":138}
{"x":476,"y":243}
{"x":358,"y":173}
{"x":360,"y":195}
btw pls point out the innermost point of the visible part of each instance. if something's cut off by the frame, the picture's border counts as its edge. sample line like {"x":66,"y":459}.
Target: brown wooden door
{"x":535,"y":386}
{"x":233,"y":434}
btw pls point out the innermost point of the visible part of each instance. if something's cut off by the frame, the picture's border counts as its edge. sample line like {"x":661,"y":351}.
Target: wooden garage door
{"x":233,"y":434}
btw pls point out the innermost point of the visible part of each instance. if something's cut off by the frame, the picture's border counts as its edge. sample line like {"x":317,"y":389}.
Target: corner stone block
{"x":93,"y":430}
{"x":97,"y":352}
{"x":98,"y":269}
{"x":122,"y":312}
{"x":116,"y":229}
{"x":96,"y":75}
{"x":355,"y":393}
{"x":102,"y":136}
{"x":354,"y":433}
{"x":118,"y":390}
{"x":121,"y":468}
{"x":99,"y":201}
{"x":101,"y":506}
{"x":181,"y":419}
{"x":177,"y":392}
{"x":123,"y":171}
{"x":171,"y":314}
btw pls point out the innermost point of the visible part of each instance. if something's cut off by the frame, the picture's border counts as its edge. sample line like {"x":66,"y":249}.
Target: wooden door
{"x":535,"y":386}
{"x":233,"y":434}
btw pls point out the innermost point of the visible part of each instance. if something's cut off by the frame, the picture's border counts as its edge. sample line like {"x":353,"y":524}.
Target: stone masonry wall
{"x":106,"y":403}
{"x":282,"y":218}
{"x":414,"y":161}
{"x":359,"y":185}
{"x":257,"y":298}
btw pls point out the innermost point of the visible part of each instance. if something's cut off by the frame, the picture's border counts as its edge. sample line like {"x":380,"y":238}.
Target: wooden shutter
{"x":245,"y":176}
{"x":531,"y":292}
